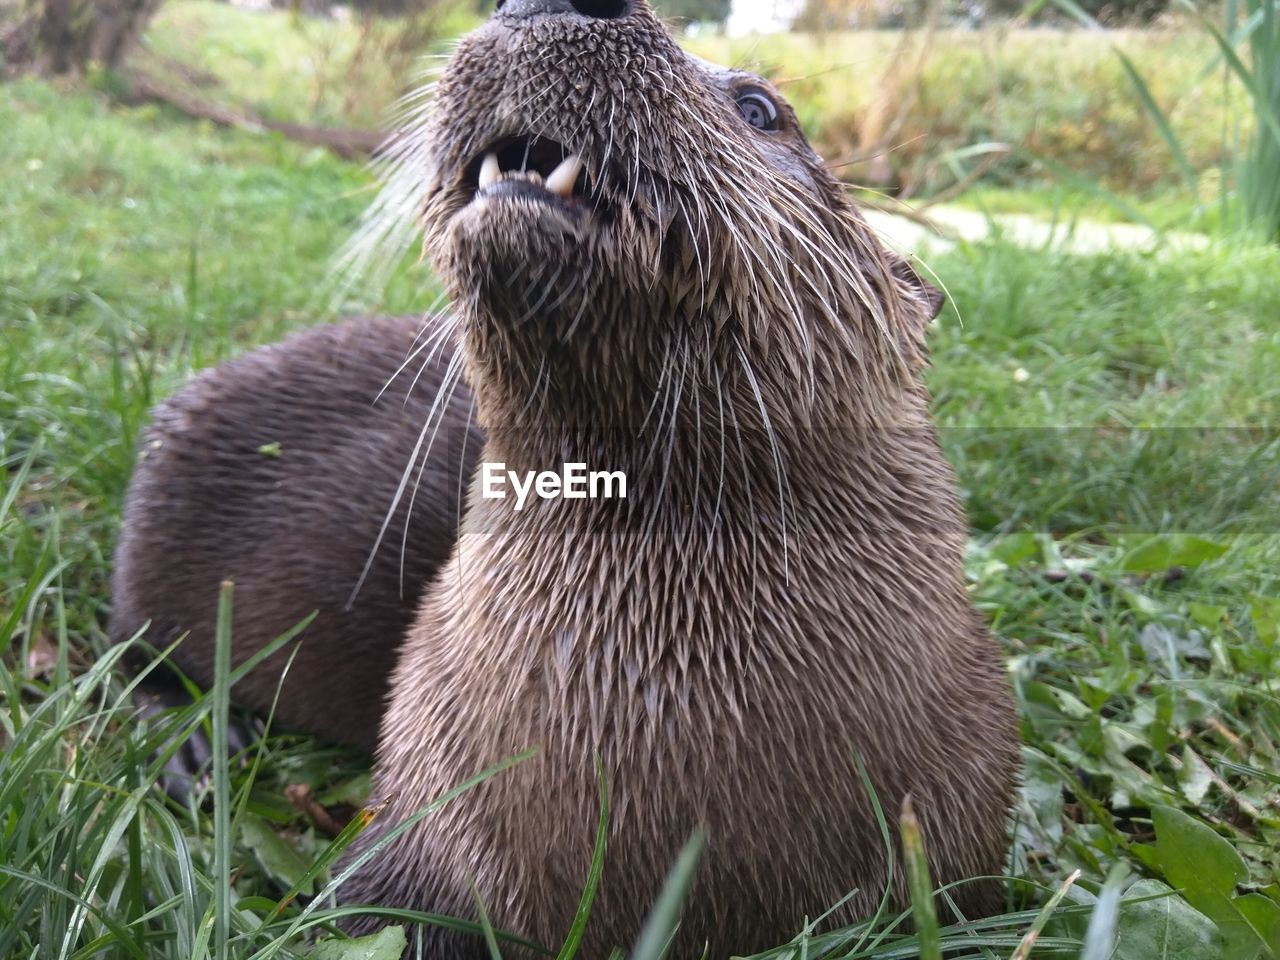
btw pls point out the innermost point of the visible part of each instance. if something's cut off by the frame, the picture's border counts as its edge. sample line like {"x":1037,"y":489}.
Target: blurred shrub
{"x":1116,"y":12}
{"x":694,"y":11}
{"x":884,"y":107}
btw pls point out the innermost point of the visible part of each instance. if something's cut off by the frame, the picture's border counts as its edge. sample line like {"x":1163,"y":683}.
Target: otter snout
{"x":592,"y":9}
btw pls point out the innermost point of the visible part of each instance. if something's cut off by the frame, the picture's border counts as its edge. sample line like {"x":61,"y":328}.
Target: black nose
{"x":596,"y":9}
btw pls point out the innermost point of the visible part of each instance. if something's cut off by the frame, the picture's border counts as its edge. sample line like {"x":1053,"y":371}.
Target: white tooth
{"x":489,"y":171}
{"x":564,"y":176}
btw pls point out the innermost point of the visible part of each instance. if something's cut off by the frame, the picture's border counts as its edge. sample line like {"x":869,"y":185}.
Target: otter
{"x":650,"y":271}
{"x":305,"y":438}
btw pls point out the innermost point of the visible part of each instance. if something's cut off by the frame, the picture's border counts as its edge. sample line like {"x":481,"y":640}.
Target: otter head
{"x":612,"y":215}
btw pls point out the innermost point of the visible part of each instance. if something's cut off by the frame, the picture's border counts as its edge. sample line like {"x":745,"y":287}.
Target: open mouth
{"x":532,"y":167}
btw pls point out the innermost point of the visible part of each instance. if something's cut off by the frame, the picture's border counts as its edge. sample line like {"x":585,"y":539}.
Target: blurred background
{"x":917,"y":97}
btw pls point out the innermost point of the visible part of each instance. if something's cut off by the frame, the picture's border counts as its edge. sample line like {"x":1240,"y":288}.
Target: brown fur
{"x":783,"y":589}
{"x":788,"y":593}
{"x":292,"y":532}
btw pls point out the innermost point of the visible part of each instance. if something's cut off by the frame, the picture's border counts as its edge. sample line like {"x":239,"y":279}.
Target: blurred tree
{"x":54,"y":37}
{"x":825,"y":16}
{"x":370,"y":8}
{"x":695,"y":11}
{"x":822,"y":16}
{"x":1124,"y":11}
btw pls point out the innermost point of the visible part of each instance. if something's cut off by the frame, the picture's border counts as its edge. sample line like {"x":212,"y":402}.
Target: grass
{"x":1260,"y":168}
{"x":1112,"y":419}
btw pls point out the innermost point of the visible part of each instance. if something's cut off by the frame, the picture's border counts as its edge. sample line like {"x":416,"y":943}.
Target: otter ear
{"x":923,"y":301}
{"x":920,"y":288}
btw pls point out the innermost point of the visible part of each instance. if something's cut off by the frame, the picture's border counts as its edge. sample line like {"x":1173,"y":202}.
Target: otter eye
{"x":758,"y":110}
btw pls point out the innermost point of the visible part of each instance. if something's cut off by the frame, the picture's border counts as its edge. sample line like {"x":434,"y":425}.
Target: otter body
{"x":651,"y":272}
{"x":275,"y":471}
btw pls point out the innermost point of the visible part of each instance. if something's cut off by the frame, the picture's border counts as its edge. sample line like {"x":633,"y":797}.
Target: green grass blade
{"x":420,"y":917}
{"x":251,"y":776}
{"x":1238,"y":36}
{"x":222,"y":774}
{"x":664,"y":917}
{"x":37,"y":583}
{"x":1100,"y":938}
{"x":1070,"y":8}
{"x":240,"y":672}
{"x":111,"y":830}
{"x":122,"y":936}
{"x":491,"y":941}
{"x":186,"y":918}
{"x":362,"y":821}
{"x":576,"y":930}
{"x":918,"y":883}
{"x":17,"y":482}
{"x":1268,"y":115}
{"x":1029,"y":940}
{"x":891,"y":858}
{"x":1160,"y":119}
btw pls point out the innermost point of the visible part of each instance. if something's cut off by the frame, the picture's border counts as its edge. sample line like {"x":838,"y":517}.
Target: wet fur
{"x":292,"y":531}
{"x":782,"y":591}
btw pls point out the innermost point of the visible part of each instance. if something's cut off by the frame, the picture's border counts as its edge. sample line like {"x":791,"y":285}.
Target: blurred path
{"x":1079,"y":236}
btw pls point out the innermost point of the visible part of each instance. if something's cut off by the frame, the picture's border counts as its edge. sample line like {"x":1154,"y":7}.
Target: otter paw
{"x":187,"y":772}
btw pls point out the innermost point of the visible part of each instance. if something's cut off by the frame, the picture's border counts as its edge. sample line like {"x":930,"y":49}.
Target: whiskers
{"x":442,"y":332}
{"x":786,"y":503}
{"x":391,"y":224}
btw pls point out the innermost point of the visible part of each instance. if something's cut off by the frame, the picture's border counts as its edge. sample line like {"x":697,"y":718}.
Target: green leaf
{"x":1042,"y":789}
{"x":1263,"y":916}
{"x":1207,"y":614}
{"x":1207,"y":869}
{"x":1162,"y":645}
{"x":1167,"y":927}
{"x":1195,"y":778}
{"x":1265,"y":613}
{"x":1015,"y":548}
{"x":278,"y":858}
{"x":354,"y":790}
{"x":1159,"y":553}
{"x":1194,"y":857}
{"x":387,"y":944}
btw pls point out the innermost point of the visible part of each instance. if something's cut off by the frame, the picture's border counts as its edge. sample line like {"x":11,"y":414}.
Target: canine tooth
{"x":489,"y":171}
{"x":564,"y":176}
